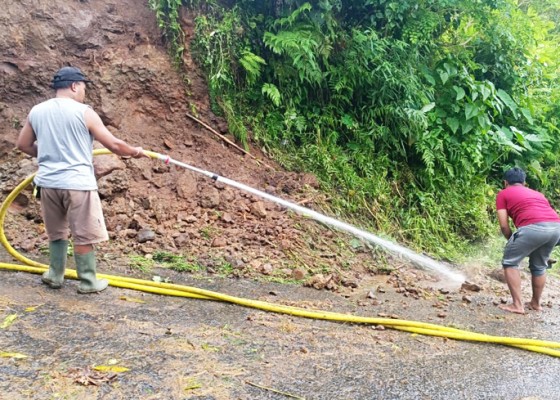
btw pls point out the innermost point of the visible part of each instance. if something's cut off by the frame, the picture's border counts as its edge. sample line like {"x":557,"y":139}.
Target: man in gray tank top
{"x":60,"y":133}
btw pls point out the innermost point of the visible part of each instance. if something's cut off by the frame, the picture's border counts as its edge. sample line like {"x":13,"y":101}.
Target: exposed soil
{"x":239,"y":243}
{"x":150,"y":206}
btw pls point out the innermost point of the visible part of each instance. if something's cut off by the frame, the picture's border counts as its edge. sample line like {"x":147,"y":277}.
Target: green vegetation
{"x":409,"y":110}
{"x":141,"y":263}
{"x":176,"y":262}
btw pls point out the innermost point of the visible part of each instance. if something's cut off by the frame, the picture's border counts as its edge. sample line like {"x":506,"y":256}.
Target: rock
{"x":226,"y":217}
{"x":467,"y":299}
{"x":146,"y":235}
{"x":105,"y":164}
{"x":182,"y":240}
{"x":191,"y":219}
{"x":371,"y":295}
{"x":498,"y":274}
{"x":473,"y":287}
{"x":114,"y":183}
{"x":298,"y":274}
{"x":146,"y":203}
{"x":317,"y":281}
{"x":267,"y":269}
{"x":186,"y":185}
{"x":27,"y":245}
{"x":219,"y":242}
{"x":168,"y":143}
{"x":348,"y":282}
{"x":258,"y":209}
{"x":209,"y":198}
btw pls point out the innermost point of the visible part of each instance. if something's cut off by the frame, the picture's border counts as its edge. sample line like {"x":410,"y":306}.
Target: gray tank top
{"x":64,"y":145}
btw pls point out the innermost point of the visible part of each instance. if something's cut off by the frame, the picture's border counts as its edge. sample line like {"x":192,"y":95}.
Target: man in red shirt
{"x":538,"y":231}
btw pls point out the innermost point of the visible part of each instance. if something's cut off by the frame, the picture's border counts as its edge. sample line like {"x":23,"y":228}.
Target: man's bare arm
{"x":100,"y":132}
{"x":504,"y":223}
{"x":26,"y":140}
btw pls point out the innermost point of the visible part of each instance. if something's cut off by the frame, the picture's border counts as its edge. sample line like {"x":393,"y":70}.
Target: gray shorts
{"x":535,"y":241}
{"x":73,"y":211}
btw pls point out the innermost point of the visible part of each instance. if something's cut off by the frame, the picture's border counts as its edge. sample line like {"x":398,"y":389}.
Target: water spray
{"x":394,"y":248}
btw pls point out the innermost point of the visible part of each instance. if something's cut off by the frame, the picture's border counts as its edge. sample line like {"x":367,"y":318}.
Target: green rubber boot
{"x":54,"y":277}
{"x":85,"y":266}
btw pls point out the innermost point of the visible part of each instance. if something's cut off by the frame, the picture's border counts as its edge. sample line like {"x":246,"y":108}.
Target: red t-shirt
{"x":525,"y":206}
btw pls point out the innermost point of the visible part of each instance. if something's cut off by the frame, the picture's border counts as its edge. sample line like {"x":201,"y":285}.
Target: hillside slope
{"x":149,"y":206}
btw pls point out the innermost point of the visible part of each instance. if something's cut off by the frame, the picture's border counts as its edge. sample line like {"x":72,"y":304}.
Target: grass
{"x":141,"y":264}
{"x":176,"y":262}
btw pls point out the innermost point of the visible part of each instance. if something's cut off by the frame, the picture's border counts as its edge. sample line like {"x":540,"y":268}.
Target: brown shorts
{"x":73,"y":211}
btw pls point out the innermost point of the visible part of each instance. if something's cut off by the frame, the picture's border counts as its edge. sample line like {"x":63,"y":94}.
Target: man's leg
{"x":513,"y":280}
{"x":54,"y":277}
{"x":88,"y":228}
{"x":537,"y":282}
{"x":56,"y":224}
{"x":86,"y":268}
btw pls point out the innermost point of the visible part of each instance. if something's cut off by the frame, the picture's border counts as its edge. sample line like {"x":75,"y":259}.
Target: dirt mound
{"x":150,"y":206}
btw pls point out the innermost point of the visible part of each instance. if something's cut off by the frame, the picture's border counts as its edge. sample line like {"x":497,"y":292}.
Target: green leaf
{"x":453,"y":123}
{"x":460,"y":92}
{"x":466,"y":127}
{"x":471,"y":110}
{"x":485,"y":91}
{"x":110,"y":368}
{"x":272,"y":92}
{"x":508,"y":101}
{"x":9,"y":320}
{"x":5,"y":354}
{"x":444,"y":76}
{"x":428,"y":107}
{"x":527,"y":114}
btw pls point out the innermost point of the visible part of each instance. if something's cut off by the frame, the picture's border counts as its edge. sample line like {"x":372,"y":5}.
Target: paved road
{"x":191,"y":349}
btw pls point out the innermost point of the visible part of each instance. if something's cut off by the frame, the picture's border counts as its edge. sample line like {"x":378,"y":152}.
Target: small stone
{"x":442,"y":315}
{"x":467,"y":299}
{"x":226,"y":217}
{"x":267,"y":269}
{"x":298,"y":274}
{"x":351,"y":283}
{"x":498,"y":274}
{"x":219,"y":242}
{"x":145,"y":235}
{"x":473,"y":287}
{"x":258,"y":209}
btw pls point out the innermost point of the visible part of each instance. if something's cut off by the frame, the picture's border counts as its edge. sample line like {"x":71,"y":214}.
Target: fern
{"x":252,"y":65}
{"x":273,"y":93}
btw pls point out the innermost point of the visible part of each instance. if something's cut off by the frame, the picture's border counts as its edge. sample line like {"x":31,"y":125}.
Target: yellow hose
{"x":539,"y":346}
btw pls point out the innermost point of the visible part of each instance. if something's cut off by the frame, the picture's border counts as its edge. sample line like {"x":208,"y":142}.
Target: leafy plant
{"x":175,"y":262}
{"x":407,"y":111}
{"x":141,"y":263}
{"x":167,"y":16}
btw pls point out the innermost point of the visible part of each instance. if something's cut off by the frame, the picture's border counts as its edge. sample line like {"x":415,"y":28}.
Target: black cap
{"x":515,"y":175}
{"x":66,"y":75}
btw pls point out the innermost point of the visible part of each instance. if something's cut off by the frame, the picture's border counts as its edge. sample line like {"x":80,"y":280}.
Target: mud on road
{"x":177,"y":348}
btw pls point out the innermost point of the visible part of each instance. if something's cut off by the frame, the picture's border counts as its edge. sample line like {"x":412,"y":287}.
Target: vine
{"x":167,"y":16}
